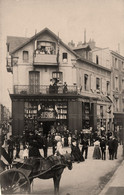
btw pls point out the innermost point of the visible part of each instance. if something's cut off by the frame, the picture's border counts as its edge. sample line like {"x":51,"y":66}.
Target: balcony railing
{"x":43,"y":89}
{"x":45,"y":59}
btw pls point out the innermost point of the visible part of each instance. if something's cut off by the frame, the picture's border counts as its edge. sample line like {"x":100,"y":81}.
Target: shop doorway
{"x":47,"y":126}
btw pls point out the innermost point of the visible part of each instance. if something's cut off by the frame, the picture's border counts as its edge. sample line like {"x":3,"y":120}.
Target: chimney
{"x":79,"y":44}
{"x":71,"y":44}
{"x":84,"y":35}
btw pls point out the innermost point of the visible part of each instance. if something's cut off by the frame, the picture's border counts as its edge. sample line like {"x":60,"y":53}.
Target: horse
{"x":51,"y":167}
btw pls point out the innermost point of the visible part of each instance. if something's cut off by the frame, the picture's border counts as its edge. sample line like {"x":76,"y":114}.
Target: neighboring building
{"x":55,"y":86}
{"x":114,"y":61}
{"x":4,"y":116}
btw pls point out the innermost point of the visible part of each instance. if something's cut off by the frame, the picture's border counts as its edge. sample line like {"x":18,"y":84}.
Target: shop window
{"x":25,"y":56}
{"x":45,"y":47}
{"x":98,"y":84}
{"x":64,"y":57}
{"x":85,"y":82}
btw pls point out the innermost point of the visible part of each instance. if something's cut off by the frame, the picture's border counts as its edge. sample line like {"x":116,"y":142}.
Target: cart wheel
{"x":14,"y":181}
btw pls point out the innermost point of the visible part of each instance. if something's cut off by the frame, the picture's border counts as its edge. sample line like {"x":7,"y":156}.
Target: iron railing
{"x":43,"y":89}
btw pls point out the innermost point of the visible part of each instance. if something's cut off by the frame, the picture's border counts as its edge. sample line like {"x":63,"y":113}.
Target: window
{"x":97,"y":59}
{"x":64,"y":57}
{"x":123,"y":84}
{"x":45,"y":47}
{"x":101,"y":111}
{"x":116,"y":63}
{"x":57,"y":77}
{"x":116,"y":83}
{"x":25,"y":56}
{"x":85,"y":82}
{"x":108,"y":87}
{"x":117,"y":105}
{"x":98,"y":84}
{"x":123,"y":105}
{"x":122,"y":65}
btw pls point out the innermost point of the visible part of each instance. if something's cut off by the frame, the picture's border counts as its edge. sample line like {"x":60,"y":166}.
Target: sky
{"x":102,"y":19}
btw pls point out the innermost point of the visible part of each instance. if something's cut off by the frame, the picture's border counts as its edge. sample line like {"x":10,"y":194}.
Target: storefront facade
{"x":63,"y":113}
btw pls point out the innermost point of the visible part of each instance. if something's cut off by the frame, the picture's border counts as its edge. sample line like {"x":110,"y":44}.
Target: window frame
{"x":86,"y":83}
{"x":65,"y":59}
{"x":23,"y":53}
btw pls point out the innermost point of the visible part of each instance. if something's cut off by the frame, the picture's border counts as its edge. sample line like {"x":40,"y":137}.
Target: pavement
{"x":116,"y":184}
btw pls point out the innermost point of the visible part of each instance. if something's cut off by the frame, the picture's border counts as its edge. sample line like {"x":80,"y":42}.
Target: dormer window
{"x":45,"y":47}
{"x":64,"y":57}
{"x":25,"y":56}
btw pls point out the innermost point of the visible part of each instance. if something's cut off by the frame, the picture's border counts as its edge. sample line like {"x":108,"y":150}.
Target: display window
{"x":37,"y":112}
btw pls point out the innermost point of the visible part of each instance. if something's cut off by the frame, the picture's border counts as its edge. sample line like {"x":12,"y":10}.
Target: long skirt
{"x":96,"y":152}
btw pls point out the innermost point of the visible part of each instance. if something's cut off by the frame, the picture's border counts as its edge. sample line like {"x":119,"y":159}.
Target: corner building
{"x":54,"y":86}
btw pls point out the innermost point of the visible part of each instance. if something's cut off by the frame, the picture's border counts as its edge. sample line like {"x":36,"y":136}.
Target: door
{"x":34,"y":82}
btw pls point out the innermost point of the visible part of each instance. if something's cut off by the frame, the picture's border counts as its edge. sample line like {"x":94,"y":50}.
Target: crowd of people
{"x":79,"y":142}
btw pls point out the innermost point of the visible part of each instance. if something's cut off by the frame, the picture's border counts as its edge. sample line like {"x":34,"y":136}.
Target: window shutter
{"x":103,"y":86}
{"x":92,"y":81}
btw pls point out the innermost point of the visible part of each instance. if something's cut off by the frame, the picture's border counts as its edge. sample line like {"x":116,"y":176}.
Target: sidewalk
{"x":116,"y":184}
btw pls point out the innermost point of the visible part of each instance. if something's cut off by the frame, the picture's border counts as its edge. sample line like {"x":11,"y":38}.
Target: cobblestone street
{"x":86,"y":178}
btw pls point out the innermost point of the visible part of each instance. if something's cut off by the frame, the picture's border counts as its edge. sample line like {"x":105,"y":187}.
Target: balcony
{"x":44,"y":89}
{"x":45,"y":59}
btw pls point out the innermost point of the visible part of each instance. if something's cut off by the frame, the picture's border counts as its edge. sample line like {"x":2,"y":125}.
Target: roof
{"x":117,"y":54}
{"x":94,"y":64}
{"x":15,"y":42}
{"x":83,"y":46}
{"x":37,"y":35}
{"x":20,"y":42}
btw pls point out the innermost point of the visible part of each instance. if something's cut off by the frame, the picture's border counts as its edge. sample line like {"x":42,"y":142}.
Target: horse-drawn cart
{"x":18,"y":178}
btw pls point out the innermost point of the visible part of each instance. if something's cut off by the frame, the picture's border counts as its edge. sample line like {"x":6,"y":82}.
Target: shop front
{"x":49,"y":113}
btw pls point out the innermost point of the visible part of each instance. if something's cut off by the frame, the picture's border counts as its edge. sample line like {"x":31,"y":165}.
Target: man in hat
{"x":84,"y":144}
{"x":103,"y":148}
{"x":115,"y":145}
{"x":111,"y":148}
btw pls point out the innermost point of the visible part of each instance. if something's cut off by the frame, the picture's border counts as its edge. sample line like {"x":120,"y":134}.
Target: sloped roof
{"x":35,"y":37}
{"x":15,"y":42}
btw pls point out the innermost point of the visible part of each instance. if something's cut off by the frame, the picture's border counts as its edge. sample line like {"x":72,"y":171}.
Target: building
{"x":55,"y":86}
{"x":114,"y":61}
{"x":4,"y":117}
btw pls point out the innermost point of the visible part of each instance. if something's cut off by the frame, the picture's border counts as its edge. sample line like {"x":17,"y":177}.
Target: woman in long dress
{"x":97,"y":152}
{"x":75,"y":152}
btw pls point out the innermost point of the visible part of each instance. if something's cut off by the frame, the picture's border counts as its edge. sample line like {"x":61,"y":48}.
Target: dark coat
{"x":103,"y":145}
{"x":76,"y":153}
{"x":84,"y":143}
